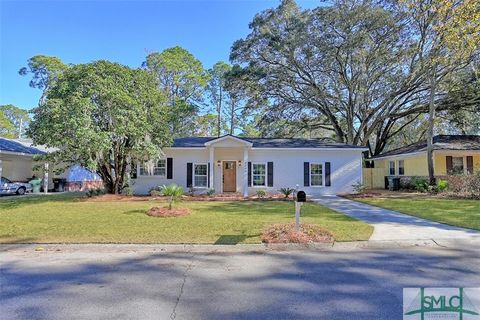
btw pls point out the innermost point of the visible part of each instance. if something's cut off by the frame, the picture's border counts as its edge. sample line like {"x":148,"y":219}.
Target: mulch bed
{"x":361,"y":195}
{"x":165,"y":212}
{"x":286,"y":233}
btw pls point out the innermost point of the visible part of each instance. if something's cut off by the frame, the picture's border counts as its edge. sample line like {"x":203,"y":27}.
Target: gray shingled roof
{"x":199,"y":142}
{"x":440,"y":142}
{"x":10,"y":145}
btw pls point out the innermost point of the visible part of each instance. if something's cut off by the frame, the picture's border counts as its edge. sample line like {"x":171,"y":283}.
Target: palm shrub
{"x":173,"y":191}
{"x":286,"y":191}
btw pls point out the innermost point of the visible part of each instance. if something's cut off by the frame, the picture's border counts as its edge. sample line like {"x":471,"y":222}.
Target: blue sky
{"x":120,"y":31}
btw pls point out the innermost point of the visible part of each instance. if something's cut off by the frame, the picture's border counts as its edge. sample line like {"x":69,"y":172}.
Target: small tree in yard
{"x":104,"y":116}
{"x":173,"y":191}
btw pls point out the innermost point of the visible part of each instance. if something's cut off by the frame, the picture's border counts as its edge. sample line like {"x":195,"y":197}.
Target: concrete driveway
{"x":151,"y":282}
{"x":391,"y":225}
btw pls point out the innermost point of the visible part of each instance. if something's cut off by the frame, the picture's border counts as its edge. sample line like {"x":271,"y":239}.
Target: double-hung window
{"x":200,"y":175}
{"x":391,"y":168}
{"x":159,"y":168}
{"x":259,"y":173}
{"x":401,"y":167}
{"x":316,"y":174}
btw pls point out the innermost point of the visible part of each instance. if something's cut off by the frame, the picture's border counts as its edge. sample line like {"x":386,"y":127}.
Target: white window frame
{"x":194,"y":175}
{"x":323,"y":174}
{"x":398,"y":165}
{"x":266,"y":175}
{"x":390,"y":168}
{"x":464,"y":165}
{"x":140,"y":166}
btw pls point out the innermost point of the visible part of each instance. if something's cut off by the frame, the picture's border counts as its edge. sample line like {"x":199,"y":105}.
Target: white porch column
{"x":45,"y":178}
{"x":212,"y":167}
{"x":245,"y":172}
{"x":1,"y":168}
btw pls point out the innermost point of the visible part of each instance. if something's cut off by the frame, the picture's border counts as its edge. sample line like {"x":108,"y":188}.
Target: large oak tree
{"x":353,"y":68}
{"x":104,"y":116}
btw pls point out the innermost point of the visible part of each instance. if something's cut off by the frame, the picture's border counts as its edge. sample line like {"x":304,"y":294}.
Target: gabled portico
{"x":228,"y":158}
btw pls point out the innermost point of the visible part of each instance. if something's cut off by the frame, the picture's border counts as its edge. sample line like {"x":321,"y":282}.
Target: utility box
{"x":301,"y":196}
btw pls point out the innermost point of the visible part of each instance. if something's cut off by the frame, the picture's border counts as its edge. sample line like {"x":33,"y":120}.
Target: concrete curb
{"x":240,"y":248}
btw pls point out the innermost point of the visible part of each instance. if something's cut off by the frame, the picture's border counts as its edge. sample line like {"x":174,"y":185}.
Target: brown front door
{"x":229,"y":176}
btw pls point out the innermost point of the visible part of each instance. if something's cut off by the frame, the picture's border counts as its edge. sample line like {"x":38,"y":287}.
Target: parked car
{"x":9,"y":187}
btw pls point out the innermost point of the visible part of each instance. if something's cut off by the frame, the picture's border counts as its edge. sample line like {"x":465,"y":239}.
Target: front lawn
{"x":67,"y":218}
{"x":461,"y":213}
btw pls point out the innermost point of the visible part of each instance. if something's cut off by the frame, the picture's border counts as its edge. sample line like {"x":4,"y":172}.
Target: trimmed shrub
{"x":358,"y":187}
{"x":155,"y":192}
{"x":421,"y":185}
{"x":442,"y":185}
{"x":95,"y":192}
{"x":261,"y":193}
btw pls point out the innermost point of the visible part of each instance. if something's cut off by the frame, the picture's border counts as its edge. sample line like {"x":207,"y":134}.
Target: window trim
{"x":153,"y":173}
{"x":193,"y":174}
{"x":266,"y":175}
{"x":398,"y":165}
{"x":323,"y":174}
{"x":390,"y":168}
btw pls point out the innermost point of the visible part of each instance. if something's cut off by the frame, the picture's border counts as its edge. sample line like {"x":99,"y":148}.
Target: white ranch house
{"x":245,"y":165}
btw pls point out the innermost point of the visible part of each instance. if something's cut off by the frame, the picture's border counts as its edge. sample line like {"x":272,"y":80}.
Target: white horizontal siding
{"x":346,"y":168}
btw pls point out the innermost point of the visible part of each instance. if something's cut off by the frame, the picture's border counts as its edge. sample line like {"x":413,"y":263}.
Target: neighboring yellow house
{"x":453,"y":154}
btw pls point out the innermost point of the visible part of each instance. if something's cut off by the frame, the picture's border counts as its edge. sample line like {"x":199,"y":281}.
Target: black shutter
{"x":449,"y":164}
{"x":306,"y":174}
{"x":470,"y":164}
{"x":270,"y":174}
{"x":169,"y":168}
{"x":189,"y":174}
{"x":208,"y":175}
{"x":249,"y":174}
{"x":328,"y":183}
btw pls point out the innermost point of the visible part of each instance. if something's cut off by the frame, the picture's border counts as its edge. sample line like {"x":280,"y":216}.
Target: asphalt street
{"x":161,"y":282}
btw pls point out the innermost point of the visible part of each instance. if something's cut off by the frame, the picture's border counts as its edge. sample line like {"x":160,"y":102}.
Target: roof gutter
{"x":270,"y":148}
{"x":12,"y":153}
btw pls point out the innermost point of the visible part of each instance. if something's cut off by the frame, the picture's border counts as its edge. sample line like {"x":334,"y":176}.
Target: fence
{"x":374,"y":178}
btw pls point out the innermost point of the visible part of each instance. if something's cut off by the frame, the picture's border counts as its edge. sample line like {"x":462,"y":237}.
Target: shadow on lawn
{"x":234,"y":238}
{"x":364,"y":284}
{"x":13,"y":242}
{"x":282,"y":209}
{"x":13,"y":202}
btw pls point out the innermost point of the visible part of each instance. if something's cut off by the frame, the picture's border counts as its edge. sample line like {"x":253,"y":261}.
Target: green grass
{"x":461,"y":213}
{"x":63,"y":219}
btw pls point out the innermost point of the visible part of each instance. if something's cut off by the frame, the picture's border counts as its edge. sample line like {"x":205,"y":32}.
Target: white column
{"x":245,"y":172}
{"x":45,"y":178}
{"x":1,"y":168}
{"x":212,"y":167}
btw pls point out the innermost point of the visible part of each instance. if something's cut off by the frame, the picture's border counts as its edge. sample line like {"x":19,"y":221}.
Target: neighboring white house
{"x":245,"y":165}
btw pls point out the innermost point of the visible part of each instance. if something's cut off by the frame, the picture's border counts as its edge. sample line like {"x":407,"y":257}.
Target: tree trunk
{"x":232,"y":116}
{"x":219,"y":113}
{"x":431,"y":120}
